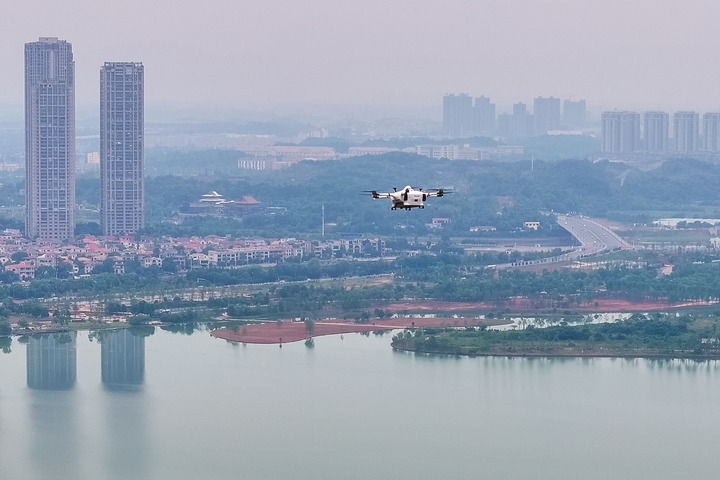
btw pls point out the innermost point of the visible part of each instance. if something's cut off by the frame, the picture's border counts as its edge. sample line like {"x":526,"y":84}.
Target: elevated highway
{"x":593,"y":236}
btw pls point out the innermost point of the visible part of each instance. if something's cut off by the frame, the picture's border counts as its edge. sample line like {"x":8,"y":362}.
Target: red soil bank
{"x":288,"y":331}
{"x":294,"y":331}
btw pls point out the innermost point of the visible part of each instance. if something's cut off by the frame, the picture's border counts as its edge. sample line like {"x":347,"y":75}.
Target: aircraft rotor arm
{"x":375,"y":194}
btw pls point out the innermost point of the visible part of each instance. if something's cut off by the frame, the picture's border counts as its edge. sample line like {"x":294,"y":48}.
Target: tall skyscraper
{"x":49,"y":139}
{"x":574,"y":113}
{"x":656,"y":129}
{"x":458,"y":115}
{"x":484,"y":116}
{"x":620,"y":132}
{"x":121,"y":147}
{"x":547,"y":114}
{"x":711,"y":132}
{"x":686,"y":126}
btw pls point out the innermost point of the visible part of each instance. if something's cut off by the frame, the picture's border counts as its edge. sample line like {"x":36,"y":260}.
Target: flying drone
{"x":409,"y":197}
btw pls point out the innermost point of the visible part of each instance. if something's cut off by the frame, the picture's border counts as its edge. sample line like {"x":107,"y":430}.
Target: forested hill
{"x":501,"y":194}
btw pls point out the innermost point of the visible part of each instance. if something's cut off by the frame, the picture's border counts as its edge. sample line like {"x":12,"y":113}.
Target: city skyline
{"x":324,"y":55}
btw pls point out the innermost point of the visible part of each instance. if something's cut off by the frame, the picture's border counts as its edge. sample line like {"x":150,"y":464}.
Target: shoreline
{"x":575,"y":354}
{"x":522,"y":305}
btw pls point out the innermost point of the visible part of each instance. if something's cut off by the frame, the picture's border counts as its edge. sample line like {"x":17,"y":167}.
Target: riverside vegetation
{"x":656,"y":335}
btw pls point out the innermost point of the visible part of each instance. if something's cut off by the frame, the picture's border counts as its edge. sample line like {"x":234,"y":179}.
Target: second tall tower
{"x":121,"y":147}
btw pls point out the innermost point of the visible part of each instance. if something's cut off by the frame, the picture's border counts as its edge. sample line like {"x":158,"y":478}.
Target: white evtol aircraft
{"x":409,"y":197}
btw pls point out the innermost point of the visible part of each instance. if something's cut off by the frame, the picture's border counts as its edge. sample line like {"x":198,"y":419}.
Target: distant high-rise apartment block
{"x":574,"y":113}
{"x":547,"y":114}
{"x":711,"y":132}
{"x":49,"y":139}
{"x":686,"y":127}
{"x":620,"y":132}
{"x":522,"y":123}
{"x":656,"y":128}
{"x":484,"y":116}
{"x":458,"y":115}
{"x":121,"y":147}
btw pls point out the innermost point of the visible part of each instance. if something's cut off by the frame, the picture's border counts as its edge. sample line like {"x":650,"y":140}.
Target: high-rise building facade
{"x":574,"y":113}
{"x":620,"y":132}
{"x":121,"y":147}
{"x":656,"y":128}
{"x":49,"y":140}
{"x":484,"y":117}
{"x":711,"y":132}
{"x":458,"y":115}
{"x":686,"y":127}
{"x":523,"y":123}
{"x":547,"y":114}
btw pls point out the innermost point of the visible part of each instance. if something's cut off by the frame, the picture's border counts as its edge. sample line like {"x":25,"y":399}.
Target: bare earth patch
{"x":289,"y":331}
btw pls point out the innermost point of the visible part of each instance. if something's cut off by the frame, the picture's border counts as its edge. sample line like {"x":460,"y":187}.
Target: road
{"x":593,"y":236}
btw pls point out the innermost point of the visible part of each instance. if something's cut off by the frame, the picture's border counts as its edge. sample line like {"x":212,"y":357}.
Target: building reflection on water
{"x":123,"y":358}
{"x":52,"y":361}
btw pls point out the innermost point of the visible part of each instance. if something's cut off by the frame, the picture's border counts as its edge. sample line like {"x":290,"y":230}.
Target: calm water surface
{"x":172,"y":406}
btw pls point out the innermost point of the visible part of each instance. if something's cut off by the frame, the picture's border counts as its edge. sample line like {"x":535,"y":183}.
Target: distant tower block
{"x":686,"y":127}
{"x":121,"y":148}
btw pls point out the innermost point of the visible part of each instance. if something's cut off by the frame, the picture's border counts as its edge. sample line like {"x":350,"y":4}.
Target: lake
{"x":125,"y":405}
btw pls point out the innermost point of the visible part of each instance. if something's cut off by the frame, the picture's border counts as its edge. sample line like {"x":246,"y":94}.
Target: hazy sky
{"x":252,"y":54}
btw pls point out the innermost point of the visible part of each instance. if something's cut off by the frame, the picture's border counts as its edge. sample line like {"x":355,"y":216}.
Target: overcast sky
{"x":252,"y":54}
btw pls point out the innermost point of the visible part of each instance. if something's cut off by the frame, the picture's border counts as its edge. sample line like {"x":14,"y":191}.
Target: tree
{"x":88,"y":228}
{"x":61,"y":316}
{"x":5,"y":328}
{"x":112,"y":308}
{"x":169,"y":265}
{"x":19,"y":256}
{"x":138,"y":319}
{"x":63,"y":270}
{"x":45,"y":272}
{"x":309,"y":325}
{"x":8,"y":277}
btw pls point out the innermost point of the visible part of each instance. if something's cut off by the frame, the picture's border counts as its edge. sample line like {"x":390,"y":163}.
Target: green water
{"x":172,"y":406}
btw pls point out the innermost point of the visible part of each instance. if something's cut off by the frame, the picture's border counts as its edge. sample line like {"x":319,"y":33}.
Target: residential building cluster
{"x":114,"y":254}
{"x":464,"y":116}
{"x":50,"y":143}
{"x":279,"y":157}
{"x":467,"y":152}
{"x":654,"y":132}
